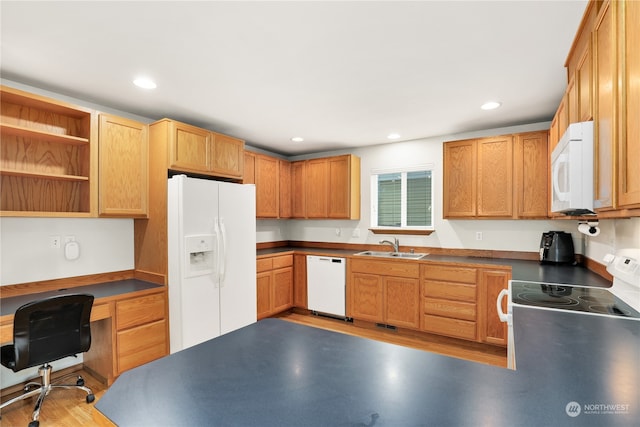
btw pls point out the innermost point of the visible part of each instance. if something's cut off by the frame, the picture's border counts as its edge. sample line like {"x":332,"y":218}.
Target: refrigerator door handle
{"x":216,"y":273}
{"x":223,"y":253}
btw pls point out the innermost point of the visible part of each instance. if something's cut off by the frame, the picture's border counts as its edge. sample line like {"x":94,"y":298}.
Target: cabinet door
{"x":492,"y":330}
{"x":300,"y":280}
{"x":366,"y":297}
{"x":317,"y":187}
{"x":340,"y":187}
{"x":249,"y":175}
{"x":266,"y":187}
{"x":495,"y":177}
{"x":584,"y":82}
{"x":402,"y":302}
{"x":263,"y":294}
{"x":298,"y":189}
{"x":285,"y":188}
{"x":190,"y":148}
{"x":563,"y":115}
{"x":227,"y":156}
{"x":605,"y":125}
{"x":531,"y":164}
{"x":460,"y":172}
{"x":282,"y":289}
{"x":123,"y":170}
{"x":629,"y":138}
{"x":573,"y":99}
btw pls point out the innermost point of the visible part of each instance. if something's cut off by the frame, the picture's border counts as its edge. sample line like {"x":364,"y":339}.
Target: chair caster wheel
{"x":90,"y":398}
{"x":34,"y":424}
{"x":80,"y":381}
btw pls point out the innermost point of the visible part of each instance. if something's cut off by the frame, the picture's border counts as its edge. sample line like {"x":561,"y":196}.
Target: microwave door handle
{"x":562,"y":195}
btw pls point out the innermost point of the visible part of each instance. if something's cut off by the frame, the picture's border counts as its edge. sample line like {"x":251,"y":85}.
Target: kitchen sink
{"x":382,"y":254}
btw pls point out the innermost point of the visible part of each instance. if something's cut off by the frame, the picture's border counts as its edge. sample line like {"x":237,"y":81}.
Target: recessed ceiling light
{"x":491,"y":105}
{"x":297,"y":139}
{"x":145,"y":83}
{"x":393,"y":136}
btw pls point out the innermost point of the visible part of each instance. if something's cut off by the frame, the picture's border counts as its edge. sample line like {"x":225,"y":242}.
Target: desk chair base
{"x":44,"y":388}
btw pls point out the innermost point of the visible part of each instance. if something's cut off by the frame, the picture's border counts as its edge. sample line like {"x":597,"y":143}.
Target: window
{"x":402,"y":199}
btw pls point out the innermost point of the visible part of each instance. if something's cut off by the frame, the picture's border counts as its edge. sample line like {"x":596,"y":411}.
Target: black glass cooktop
{"x":564,"y":297}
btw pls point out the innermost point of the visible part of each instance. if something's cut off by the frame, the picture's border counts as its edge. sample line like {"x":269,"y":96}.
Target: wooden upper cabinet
{"x":344,"y":187}
{"x":629,"y":135}
{"x":531,"y":167}
{"x":460,"y":173}
{"x":285,"y":189}
{"x":123,"y":167}
{"x":495,"y":176}
{"x":249,"y":175}
{"x":298,"y":189}
{"x":190,"y":148}
{"x":584,"y":83}
{"x":196,"y":150}
{"x":48,"y":157}
{"x":267,"y":179}
{"x":605,"y":126}
{"x":573,"y":99}
{"x":227,"y":156}
{"x":317,"y":188}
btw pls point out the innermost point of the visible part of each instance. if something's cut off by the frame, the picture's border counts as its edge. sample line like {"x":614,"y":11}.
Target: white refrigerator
{"x":212,"y":259}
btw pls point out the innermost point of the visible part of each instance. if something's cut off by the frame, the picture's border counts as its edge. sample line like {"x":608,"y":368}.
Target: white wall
{"x":26,"y":256}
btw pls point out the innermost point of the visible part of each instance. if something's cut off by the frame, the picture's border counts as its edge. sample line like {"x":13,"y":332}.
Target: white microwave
{"x":572,"y":171}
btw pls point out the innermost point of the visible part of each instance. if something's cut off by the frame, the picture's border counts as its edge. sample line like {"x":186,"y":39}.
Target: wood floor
{"x":67,"y":408}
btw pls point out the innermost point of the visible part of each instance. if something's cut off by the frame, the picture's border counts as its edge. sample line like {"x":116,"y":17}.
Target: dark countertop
{"x":98,"y":290}
{"x":276,"y":373}
{"x":520,"y":269}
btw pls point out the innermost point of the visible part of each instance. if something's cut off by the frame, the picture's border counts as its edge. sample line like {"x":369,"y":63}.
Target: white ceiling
{"x":339,"y":74}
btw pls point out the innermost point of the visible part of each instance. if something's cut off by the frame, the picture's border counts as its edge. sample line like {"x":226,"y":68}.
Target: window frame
{"x":373,"y":206}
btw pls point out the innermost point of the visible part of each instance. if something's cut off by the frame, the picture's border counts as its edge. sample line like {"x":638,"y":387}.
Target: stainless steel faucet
{"x":395,"y":244}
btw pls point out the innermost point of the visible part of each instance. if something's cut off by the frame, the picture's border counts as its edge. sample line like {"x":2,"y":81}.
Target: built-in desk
{"x":129,"y":321}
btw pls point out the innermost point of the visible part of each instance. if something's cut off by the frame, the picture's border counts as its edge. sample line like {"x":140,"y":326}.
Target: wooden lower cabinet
{"x":491,"y":282}
{"x":384,"y":292}
{"x":141,"y":331}
{"x":300,"y":280}
{"x":366,"y":297}
{"x":449,"y":300}
{"x":274,"y":285}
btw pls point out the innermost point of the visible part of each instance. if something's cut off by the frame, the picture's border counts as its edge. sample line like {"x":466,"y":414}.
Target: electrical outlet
{"x":338,"y":231}
{"x":478,"y":235}
{"x":54,"y":242}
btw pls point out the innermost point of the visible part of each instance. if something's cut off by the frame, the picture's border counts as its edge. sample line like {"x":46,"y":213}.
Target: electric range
{"x":570,"y":297}
{"x":621,"y":300}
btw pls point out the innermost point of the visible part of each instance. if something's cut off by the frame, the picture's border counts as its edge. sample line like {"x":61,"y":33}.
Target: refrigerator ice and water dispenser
{"x":199,"y":250}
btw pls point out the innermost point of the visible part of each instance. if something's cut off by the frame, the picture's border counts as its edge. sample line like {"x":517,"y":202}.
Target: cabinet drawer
{"x":264,"y":264}
{"x":6,"y":333}
{"x":449,"y":290}
{"x":142,"y":344}
{"x":448,"y":273}
{"x":100,"y":311}
{"x":282,"y":261}
{"x":450,"y":327}
{"x":137,"y":311}
{"x":386,"y":268}
{"x":453,"y":309}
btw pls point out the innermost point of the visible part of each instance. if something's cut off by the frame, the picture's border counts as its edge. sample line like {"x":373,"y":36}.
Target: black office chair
{"x":44,"y":331}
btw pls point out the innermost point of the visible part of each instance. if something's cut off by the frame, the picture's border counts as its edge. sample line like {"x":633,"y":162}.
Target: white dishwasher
{"x":326,"y":289}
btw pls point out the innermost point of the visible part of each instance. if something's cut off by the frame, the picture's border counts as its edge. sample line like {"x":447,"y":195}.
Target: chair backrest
{"x":50,"y":329}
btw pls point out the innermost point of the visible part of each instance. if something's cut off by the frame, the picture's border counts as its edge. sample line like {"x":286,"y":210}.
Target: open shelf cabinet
{"x":46,"y":156}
